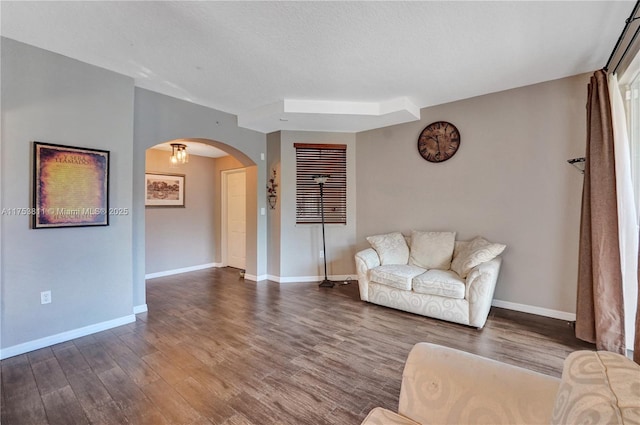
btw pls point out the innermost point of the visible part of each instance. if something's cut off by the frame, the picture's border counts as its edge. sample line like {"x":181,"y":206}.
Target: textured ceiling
{"x":332,"y":66}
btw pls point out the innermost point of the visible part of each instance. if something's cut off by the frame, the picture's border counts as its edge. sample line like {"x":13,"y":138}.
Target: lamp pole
{"x":321,"y":180}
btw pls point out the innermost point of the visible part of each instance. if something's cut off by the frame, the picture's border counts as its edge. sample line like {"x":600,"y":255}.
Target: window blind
{"x":312,"y":160}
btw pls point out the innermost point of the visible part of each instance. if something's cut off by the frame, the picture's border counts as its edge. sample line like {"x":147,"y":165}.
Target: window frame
{"x":316,"y":159}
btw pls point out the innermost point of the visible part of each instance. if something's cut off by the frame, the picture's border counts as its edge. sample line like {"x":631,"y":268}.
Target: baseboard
{"x":64,"y":336}
{"x":307,"y":279}
{"x":540,"y":311}
{"x":182,"y":270}
{"x":255,"y":278}
{"x":142,"y":308}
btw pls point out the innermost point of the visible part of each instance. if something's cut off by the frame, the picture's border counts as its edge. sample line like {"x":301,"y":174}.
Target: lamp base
{"x":327,"y":284}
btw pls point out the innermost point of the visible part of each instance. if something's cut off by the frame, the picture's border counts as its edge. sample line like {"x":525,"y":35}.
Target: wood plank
{"x":17,"y":378}
{"x":49,"y":375}
{"x":21,"y":401}
{"x":71,"y":360}
{"x":138,"y":370}
{"x":63,"y":408}
{"x":165,"y":367}
{"x":107,"y":414}
{"x":171,"y":404}
{"x":205,"y":402}
{"x":122,"y":389}
{"x":89,"y":389}
{"x":40,"y":355}
{"x":97,"y":357}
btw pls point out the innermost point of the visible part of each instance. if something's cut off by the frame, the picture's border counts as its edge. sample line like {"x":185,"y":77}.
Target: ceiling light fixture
{"x":179,"y":154}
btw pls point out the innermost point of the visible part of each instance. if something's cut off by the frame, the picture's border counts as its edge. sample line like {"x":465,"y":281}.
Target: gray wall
{"x":160,"y":118}
{"x":509,"y":182}
{"x":182,"y":237}
{"x":51,"y":98}
{"x":303,"y":242}
{"x":274,"y":216}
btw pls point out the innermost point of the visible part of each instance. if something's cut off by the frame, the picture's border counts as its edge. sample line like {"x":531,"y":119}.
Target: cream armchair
{"x":442,"y":385}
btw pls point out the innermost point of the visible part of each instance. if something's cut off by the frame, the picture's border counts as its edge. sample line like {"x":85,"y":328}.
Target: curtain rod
{"x":628,"y":22}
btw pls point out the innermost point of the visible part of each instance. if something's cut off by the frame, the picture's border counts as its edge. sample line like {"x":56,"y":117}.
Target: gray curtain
{"x":600,"y":307}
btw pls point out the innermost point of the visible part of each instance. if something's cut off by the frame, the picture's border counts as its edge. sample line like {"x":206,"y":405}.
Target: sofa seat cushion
{"x":444,"y":283}
{"x":395,"y":275}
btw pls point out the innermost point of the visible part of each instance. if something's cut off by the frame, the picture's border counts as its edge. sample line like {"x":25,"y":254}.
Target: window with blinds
{"x":312,"y":160}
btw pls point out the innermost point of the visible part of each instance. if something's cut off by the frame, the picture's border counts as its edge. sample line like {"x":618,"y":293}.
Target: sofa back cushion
{"x":477,"y":251}
{"x":432,"y":250}
{"x":391,"y":248}
{"x":598,"y":387}
{"x":459,"y":247}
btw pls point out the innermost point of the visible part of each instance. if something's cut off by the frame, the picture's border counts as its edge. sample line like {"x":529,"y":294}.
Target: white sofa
{"x":442,"y":385}
{"x":431,"y":274}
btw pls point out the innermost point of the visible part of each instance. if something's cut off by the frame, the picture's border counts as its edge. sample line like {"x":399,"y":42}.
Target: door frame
{"x":223,"y":210}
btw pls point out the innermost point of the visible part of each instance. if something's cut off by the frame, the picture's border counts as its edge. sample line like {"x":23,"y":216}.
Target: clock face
{"x":439,"y":141}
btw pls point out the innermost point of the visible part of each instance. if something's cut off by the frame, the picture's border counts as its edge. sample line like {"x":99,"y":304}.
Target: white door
{"x":236,"y":218}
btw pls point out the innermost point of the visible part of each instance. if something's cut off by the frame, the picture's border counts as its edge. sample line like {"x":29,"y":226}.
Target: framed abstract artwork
{"x":70,"y":186}
{"x":164,"y":190}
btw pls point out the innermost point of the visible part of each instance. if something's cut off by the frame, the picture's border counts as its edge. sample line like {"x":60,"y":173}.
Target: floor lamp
{"x":321,"y":180}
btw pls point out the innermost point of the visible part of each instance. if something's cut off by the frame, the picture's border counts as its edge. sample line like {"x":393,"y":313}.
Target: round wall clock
{"x":439,"y":141}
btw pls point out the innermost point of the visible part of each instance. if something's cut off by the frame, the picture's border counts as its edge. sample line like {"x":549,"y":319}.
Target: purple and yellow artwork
{"x":71,"y":186}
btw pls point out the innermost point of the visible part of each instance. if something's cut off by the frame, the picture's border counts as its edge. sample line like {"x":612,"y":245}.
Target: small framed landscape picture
{"x":164,"y":190}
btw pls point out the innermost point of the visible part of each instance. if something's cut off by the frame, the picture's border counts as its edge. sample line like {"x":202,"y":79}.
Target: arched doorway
{"x":240,"y":160}
{"x":193,"y":231}
{"x":160,"y":118}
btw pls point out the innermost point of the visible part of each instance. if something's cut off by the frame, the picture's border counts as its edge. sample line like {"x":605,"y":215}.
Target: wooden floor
{"x":214,"y":349}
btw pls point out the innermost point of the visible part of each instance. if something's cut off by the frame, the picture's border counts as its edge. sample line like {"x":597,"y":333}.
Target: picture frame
{"x":70,"y":186}
{"x":164,"y":190}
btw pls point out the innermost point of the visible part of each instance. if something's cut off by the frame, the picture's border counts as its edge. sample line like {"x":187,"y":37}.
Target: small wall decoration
{"x":70,"y":186}
{"x":272,"y":186}
{"x":164,"y":190}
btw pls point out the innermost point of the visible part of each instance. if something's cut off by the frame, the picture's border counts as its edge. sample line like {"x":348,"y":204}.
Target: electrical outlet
{"x":321,"y":253}
{"x":45,"y":297}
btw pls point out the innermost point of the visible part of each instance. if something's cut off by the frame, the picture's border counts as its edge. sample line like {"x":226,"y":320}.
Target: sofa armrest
{"x":365,"y":261}
{"x":441,"y":385}
{"x":480,"y":286}
{"x":598,"y":387}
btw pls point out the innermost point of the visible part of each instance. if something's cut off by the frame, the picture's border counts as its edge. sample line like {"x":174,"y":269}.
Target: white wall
{"x":50,"y":98}
{"x":179,"y":238}
{"x":300,"y":244}
{"x":509,"y":182}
